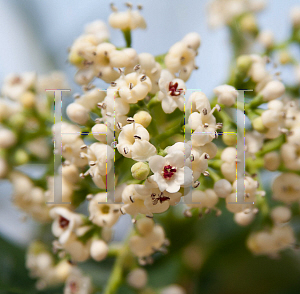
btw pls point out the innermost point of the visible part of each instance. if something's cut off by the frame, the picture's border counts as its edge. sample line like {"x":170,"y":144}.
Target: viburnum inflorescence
{"x":137,"y":128}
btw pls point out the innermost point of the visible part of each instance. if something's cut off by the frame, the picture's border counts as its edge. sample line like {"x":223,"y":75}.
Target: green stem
{"x":167,"y":134}
{"x":272,"y":145}
{"x":127,"y":37}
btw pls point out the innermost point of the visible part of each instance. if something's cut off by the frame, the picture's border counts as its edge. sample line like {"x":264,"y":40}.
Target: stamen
{"x":143,"y":78}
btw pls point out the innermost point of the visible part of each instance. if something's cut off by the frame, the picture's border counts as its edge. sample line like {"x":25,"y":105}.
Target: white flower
{"x":181,"y":59}
{"x":78,"y":113}
{"x":272,"y":161}
{"x":226,"y":95}
{"x":15,"y":85}
{"x":133,"y":87}
{"x":244,"y":218}
{"x":98,"y":29}
{"x":170,"y":172}
{"x":54,"y":80}
{"x":290,"y":154}
{"x":173,"y":289}
{"x":171,"y":92}
{"x":133,"y":142}
{"x":271,"y":242}
{"x":126,"y":20}
{"x":65,"y":223}
{"x":149,"y":241}
{"x":102,"y":133}
{"x":77,"y":283}
{"x":143,"y":117}
{"x":199,"y":102}
{"x":104,"y":214}
{"x":286,"y":188}
{"x":192,"y":40}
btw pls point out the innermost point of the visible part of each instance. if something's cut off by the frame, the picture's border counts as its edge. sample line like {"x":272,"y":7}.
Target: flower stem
{"x":127,"y":37}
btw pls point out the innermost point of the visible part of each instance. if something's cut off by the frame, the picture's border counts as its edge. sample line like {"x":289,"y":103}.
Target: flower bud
{"x":77,"y":113}
{"x":273,"y":90}
{"x":229,"y":139}
{"x":285,"y":57}
{"x":270,"y":118}
{"x":243,"y":219}
{"x":145,"y":225}
{"x":248,"y":24}
{"x":74,"y":58}
{"x":7,"y":138}
{"x":271,"y":161}
{"x":28,"y":99}
{"x":222,"y":188}
{"x":266,"y":38}
{"x":281,"y":214}
{"x":140,"y":170}
{"x":101,"y":133}
{"x":295,"y":17}
{"x":137,"y":278}
{"x":226,"y":95}
{"x":193,"y":40}
{"x":99,"y":249}
{"x":258,"y":125}
{"x":173,"y":289}
{"x":143,"y":118}
{"x":244,"y":63}
{"x":21,"y":157}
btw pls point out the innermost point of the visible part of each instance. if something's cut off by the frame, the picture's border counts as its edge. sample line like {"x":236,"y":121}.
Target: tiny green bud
{"x":21,"y":157}
{"x":229,"y":139}
{"x":258,"y":125}
{"x":140,"y":170}
{"x":244,"y":63}
{"x":143,"y":118}
{"x":74,"y":58}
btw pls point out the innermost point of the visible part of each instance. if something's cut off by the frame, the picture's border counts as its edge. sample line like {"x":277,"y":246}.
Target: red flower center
{"x":73,"y":287}
{"x":63,"y":222}
{"x":168,"y":171}
{"x":173,"y":89}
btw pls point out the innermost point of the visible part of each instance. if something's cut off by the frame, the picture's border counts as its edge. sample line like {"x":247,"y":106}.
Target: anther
{"x":113,"y":84}
{"x":206,"y":173}
{"x":125,"y":150}
{"x":137,"y":137}
{"x":119,"y":126}
{"x":137,"y":67}
{"x":76,"y":95}
{"x":206,"y":156}
{"x":108,"y":114}
{"x":81,"y":175}
{"x":131,"y":199}
{"x":92,"y":163}
{"x":128,"y":4}
{"x":83,"y":147}
{"x":192,"y":157}
{"x":140,"y":7}
{"x":204,"y":110}
{"x":130,"y":119}
{"x":89,"y":197}
{"x":122,"y":211}
{"x":196,"y":184}
{"x":143,"y":78}
{"x":130,"y":86}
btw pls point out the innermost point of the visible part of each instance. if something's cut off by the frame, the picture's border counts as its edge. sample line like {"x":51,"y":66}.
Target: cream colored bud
{"x":271,"y":161}
{"x":258,"y":125}
{"x":285,"y":57}
{"x":222,"y":188}
{"x":140,"y":170}
{"x":273,"y":90}
{"x":74,"y":58}
{"x":173,"y":289}
{"x":101,"y":133}
{"x":143,"y":118}
{"x":244,"y":63}
{"x":7,"y":138}
{"x":244,"y":219}
{"x":137,"y":278}
{"x":21,"y":157}
{"x":281,"y":214}
{"x":270,"y":118}
{"x":77,"y":113}
{"x":28,"y":99}
{"x":295,"y":17}
{"x":145,"y":225}
{"x":248,"y":24}
{"x":266,"y":38}
{"x":193,"y":40}
{"x":229,"y":139}
{"x":99,"y":249}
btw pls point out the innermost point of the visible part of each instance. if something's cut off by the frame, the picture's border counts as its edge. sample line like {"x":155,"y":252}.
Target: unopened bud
{"x":143,"y":118}
{"x":140,"y":170}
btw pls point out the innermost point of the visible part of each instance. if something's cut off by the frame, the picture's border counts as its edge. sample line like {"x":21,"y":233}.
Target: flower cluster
{"x":137,"y":132}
